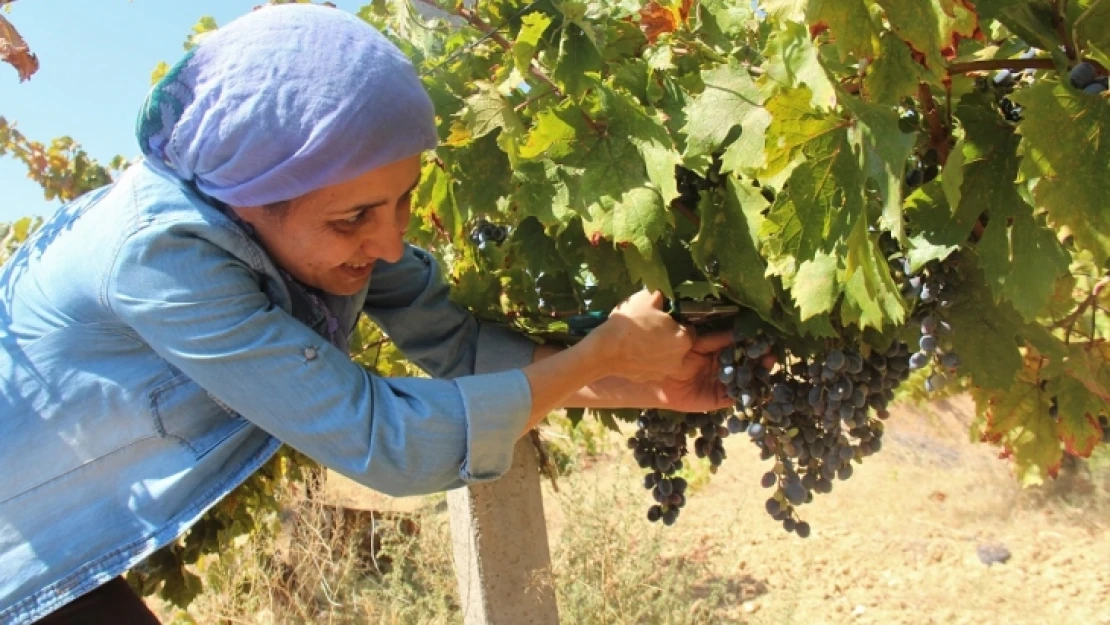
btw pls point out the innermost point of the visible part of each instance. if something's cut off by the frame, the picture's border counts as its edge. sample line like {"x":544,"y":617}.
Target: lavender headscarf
{"x":283,"y":101}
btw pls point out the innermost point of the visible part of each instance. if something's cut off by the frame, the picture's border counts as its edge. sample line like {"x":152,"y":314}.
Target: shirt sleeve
{"x":410,"y":301}
{"x":201,"y":309}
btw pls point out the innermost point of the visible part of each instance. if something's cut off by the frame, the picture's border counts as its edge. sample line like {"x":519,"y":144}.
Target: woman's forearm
{"x":555,"y":376}
{"x":606,"y":392}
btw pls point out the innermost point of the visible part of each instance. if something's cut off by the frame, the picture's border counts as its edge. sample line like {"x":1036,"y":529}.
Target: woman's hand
{"x":696,"y":386}
{"x":641,"y":342}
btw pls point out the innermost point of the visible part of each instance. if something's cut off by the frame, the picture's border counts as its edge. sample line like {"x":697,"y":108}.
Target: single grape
{"x":772,"y":506}
{"x":769,"y":479}
{"x":755,"y":430}
{"x":1094,"y":88}
{"x":836,"y":360}
{"x":928,"y":324}
{"x":727,"y":374}
{"x":928,"y":344}
{"x":802,"y":529}
{"x":844,"y":472}
{"x":679,"y":485}
{"x":788,"y":524}
{"x":670,"y":516}
{"x":654,"y":513}
{"x":795,"y":492}
{"x":951,"y":360}
{"x":919,"y":360}
{"x":735,"y":425}
{"x":914,"y":178}
{"x":1082,"y":75}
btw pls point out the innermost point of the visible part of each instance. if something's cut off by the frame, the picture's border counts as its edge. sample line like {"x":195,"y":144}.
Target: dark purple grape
{"x":769,"y":479}
{"x":802,"y":529}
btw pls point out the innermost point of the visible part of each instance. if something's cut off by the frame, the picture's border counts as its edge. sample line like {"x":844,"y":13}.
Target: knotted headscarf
{"x":282,"y":101}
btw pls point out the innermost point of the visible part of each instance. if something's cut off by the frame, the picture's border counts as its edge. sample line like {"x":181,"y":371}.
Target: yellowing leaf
{"x":14,"y":51}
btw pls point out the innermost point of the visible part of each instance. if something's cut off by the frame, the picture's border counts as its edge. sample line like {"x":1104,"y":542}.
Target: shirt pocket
{"x":183,"y":411}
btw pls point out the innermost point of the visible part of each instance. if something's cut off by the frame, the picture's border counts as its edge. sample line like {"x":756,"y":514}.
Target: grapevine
{"x":909,"y":196}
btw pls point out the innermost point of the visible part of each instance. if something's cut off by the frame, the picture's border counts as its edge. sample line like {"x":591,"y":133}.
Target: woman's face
{"x":330,"y":238}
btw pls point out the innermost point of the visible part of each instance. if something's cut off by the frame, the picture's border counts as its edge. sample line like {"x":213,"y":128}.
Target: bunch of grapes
{"x":485,"y":232}
{"x":659,"y":446}
{"x":1085,"y":77}
{"x":812,"y":415}
{"x":935,"y":349}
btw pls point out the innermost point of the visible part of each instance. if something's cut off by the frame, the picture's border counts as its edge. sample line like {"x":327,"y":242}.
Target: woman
{"x":164,"y":335}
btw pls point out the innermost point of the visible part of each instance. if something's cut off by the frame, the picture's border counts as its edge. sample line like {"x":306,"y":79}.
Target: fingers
{"x":657,"y":299}
{"x":714,"y":342}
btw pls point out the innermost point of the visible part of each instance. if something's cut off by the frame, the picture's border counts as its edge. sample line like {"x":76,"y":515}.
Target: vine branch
{"x":687,"y":213}
{"x":472,"y":18}
{"x":1068,"y":322}
{"x":938,"y":132}
{"x":1012,"y":64}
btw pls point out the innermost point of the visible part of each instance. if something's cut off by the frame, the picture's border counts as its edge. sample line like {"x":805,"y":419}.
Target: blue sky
{"x":96,"y":59}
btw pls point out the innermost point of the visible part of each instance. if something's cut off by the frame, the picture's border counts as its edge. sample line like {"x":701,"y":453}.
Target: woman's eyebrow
{"x":371,"y":205}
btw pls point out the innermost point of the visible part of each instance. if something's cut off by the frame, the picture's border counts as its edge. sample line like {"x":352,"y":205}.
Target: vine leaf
{"x":729,"y":98}
{"x":14,"y":51}
{"x":1065,"y":133}
{"x":792,"y":61}
{"x":893,"y":75}
{"x":726,"y":235}
{"x":933,"y":27}
{"x":524,"y":46}
{"x":1017,"y":419}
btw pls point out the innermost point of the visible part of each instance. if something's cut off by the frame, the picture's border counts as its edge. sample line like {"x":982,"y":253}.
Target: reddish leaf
{"x":14,"y":50}
{"x":656,"y":20}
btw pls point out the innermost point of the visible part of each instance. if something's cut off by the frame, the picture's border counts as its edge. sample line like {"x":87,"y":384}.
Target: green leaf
{"x":1064,"y":131}
{"x":794,"y":125}
{"x":578,"y":64}
{"x":931,"y":26}
{"x":1021,"y":263}
{"x":725,"y":235}
{"x":893,"y":75}
{"x":989,"y":345}
{"x":648,"y":270}
{"x":1033,"y":22}
{"x":871,"y":298}
{"x":792,"y":61}
{"x":729,"y":98}
{"x":540,"y":190}
{"x":816,"y":286}
{"x":885,"y":150}
{"x":524,"y":46}
{"x":850,"y":23}
{"x":554,"y":133}
{"x":1093,"y":25}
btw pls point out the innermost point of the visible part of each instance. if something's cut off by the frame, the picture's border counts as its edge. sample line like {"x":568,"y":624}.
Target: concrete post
{"x":502,"y":559}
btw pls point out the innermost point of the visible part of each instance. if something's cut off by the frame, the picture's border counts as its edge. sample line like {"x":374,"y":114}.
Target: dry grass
{"x":896,"y":544}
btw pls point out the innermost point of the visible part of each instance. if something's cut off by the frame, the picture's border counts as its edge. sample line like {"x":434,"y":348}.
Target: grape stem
{"x":472,"y":18}
{"x":1069,"y":322}
{"x":1059,"y":19}
{"x":938,"y":132}
{"x":685,"y":211}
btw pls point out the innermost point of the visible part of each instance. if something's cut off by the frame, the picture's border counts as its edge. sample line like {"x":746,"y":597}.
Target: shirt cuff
{"x":498,"y":406}
{"x":501,"y":349}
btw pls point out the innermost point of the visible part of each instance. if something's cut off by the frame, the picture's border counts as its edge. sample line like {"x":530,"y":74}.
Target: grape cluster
{"x":1085,"y":77}
{"x":812,"y":416}
{"x":485,"y":233}
{"x":659,"y":446}
{"x":935,"y":350}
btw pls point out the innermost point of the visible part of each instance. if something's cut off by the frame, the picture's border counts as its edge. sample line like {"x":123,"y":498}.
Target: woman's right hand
{"x":640,"y":341}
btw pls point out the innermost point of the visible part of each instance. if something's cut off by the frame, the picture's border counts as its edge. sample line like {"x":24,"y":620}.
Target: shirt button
{"x":310,"y":353}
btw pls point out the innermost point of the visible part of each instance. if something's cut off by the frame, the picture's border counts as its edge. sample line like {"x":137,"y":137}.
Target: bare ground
{"x":896,"y":544}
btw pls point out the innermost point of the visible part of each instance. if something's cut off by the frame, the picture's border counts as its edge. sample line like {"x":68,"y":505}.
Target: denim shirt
{"x":153,"y":359}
